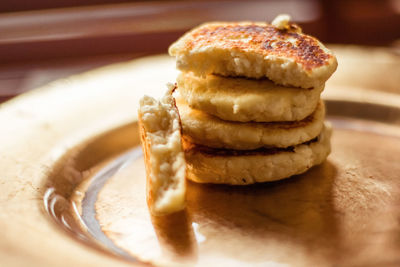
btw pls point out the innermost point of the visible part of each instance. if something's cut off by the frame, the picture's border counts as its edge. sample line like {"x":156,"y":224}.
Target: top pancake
{"x":255,"y":50}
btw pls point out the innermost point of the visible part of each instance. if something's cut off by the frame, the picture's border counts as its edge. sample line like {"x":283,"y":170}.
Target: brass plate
{"x":73,"y":185}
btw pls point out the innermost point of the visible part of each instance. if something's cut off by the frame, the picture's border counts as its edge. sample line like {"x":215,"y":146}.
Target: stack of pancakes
{"x":249,"y":101}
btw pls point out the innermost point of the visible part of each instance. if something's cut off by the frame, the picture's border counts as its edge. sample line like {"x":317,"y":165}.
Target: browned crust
{"x":290,"y":124}
{"x":263,"y":39}
{"x":258,"y":80}
{"x":176,"y":108}
{"x":192,"y":148}
{"x":146,"y":153}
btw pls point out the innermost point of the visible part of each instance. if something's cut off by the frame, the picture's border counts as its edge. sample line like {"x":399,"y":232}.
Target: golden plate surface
{"x":72,"y":187}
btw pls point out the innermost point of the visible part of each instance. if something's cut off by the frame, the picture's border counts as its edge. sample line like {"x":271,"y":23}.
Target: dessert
{"x":249,"y":100}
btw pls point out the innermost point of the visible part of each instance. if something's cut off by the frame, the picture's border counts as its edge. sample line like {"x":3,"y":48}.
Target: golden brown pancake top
{"x":264,"y":39}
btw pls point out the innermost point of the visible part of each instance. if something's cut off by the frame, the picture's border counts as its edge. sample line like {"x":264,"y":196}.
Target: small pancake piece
{"x":244,"y":100}
{"x":218,"y":166}
{"x":160,"y":131}
{"x":204,"y":129}
{"x":255,"y":50}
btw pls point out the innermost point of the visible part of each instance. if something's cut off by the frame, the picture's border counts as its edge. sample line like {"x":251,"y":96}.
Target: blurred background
{"x":44,"y":40}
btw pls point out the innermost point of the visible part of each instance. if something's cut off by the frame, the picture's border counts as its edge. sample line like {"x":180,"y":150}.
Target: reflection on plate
{"x":332,"y":214}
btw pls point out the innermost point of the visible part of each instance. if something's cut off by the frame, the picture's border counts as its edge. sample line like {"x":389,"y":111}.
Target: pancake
{"x":255,"y":50}
{"x":204,"y":129}
{"x":240,"y":99}
{"x":218,"y":166}
{"x":160,"y":132}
